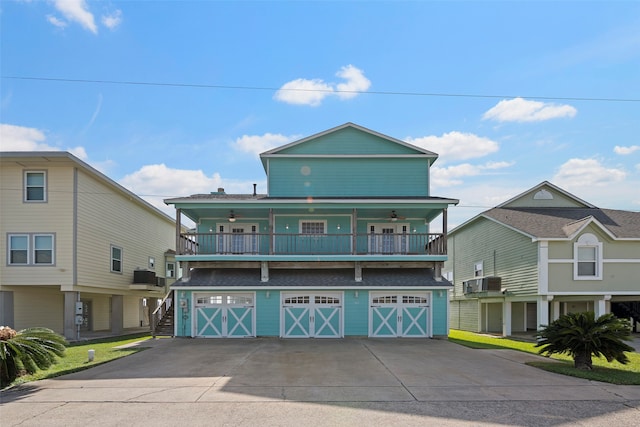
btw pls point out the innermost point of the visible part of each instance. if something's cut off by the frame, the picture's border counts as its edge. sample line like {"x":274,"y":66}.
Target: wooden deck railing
{"x":311,"y":244}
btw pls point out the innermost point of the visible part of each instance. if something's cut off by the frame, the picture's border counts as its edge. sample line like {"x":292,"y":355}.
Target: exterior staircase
{"x":163,"y":317}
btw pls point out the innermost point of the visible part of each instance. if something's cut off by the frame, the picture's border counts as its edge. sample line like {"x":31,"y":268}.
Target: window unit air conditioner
{"x":492,"y":283}
{"x":482,"y":284}
{"x":472,"y":285}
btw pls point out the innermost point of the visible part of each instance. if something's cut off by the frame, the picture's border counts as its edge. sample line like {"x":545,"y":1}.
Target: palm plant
{"x":582,"y":336}
{"x":27,"y":350}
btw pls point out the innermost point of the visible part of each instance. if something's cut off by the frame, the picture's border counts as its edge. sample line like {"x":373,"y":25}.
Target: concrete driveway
{"x":320,"y":382}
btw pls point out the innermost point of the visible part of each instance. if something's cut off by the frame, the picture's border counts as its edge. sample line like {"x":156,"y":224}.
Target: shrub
{"x":27,"y":351}
{"x":582,"y":336}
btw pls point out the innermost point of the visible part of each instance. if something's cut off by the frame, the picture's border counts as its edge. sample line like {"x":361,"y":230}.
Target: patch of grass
{"x":614,"y":373}
{"x":77,"y":356}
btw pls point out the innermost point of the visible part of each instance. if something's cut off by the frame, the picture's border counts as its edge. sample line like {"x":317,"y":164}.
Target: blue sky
{"x":174,"y":98}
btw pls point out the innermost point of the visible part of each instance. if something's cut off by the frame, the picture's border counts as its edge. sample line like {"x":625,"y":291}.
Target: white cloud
{"x":154,"y":183}
{"x":313,"y":92}
{"x":623,"y":151}
{"x":356,"y":82}
{"x":452,"y":175}
{"x":456,"y":145}
{"x":257,"y":144}
{"x":77,"y":11}
{"x":56,"y":22}
{"x":586,"y":173}
{"x":20,"y":138}
{"x":522,"y":110}
{"x":112,"y":20}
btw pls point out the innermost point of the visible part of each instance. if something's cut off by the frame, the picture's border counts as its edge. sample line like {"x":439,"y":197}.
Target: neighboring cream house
{"x":81,"y":253}
{"x":541,"y":254}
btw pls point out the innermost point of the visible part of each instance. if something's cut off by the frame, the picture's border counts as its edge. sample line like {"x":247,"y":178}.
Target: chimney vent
{"x":221,"y":190}
{"x":254,"y":189}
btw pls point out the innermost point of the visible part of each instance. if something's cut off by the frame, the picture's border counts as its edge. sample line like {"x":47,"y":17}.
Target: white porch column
{"x":555,"y":305}
{"x":506,"y":318}
{"x":600,"y":305}
{"x":543,"y":310}
{"x":264,"y":271}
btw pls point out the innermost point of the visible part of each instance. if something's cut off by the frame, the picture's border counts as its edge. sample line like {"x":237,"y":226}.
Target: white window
{"x":35,"y":186}
{"x":116,"y":259}
{"x":478,"y":269}
{"x":313,"y":227}
{"x":152,"y":263}
{"x":171,"y":270}
{"x":587,"y":258}
{"x":31,"y":249}
{"x":18,"y":249}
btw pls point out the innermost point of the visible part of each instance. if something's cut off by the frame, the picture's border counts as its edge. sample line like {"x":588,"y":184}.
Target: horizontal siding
{"x":616,"y":277}
{"x":503,"y":252}
{"x":464,"y":315}
{"x":55,"y":216}
{"x":38,"y":307}
{"x":356,"y":314}
{"x":439,"y":306}
{"x":348,"y":141}
{"x":295,"y":177}
{"x":108,"y":218}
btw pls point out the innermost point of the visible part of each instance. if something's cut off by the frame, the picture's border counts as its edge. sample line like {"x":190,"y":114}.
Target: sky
{"x":173,"y":98}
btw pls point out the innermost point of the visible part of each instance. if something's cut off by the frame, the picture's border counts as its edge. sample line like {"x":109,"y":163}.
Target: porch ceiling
{"x":427,"y":209}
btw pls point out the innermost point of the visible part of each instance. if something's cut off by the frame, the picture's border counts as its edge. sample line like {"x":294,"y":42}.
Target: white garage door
{"x":399,"y":314}
{"x":311,"y":315}
{"x":224,"y":315}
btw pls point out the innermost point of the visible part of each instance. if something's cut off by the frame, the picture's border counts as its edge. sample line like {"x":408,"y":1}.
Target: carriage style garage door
{"x":399,"y":314}
{"x":311,"y":315}
{"x":224,"y":315}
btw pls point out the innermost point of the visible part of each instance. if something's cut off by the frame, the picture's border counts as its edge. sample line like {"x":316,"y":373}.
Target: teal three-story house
{"x":339,"y":246}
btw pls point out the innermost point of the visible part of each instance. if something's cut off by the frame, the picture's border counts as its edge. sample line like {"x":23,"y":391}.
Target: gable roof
{"x":549,"y":212}
{"x":564,"y":223}
{"x":386,"y":145}
{"x":43,"y":159}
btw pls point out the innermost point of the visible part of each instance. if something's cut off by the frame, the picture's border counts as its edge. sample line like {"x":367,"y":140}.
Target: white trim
{"x":587,"y":293}
{"x":45,"y":186}
{"x":588,"y":240}
{"x":344,"y":126}
{"x":543,"y":267}
{"x":604,"y":261}
{"x":259,"y":286}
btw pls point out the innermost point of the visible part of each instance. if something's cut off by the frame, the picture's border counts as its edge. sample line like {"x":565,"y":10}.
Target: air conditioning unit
{"x":472,"y":286}
{"x":492,"y":283}
{"x":482,"y":284}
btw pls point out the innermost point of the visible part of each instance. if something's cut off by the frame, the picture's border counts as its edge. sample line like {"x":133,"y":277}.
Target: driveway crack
{"x":389,"y":371}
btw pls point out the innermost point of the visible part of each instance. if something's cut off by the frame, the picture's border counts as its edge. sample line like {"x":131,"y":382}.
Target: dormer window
{"x":587,"y":255}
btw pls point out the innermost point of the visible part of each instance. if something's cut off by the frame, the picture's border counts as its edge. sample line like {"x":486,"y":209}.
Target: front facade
{"x":80,"y":253}
{"x":544,"y":253}
{"x":339,"y":246}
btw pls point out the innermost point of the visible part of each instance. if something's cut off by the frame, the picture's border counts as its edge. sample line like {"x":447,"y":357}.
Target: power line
{"x":264,"y":88}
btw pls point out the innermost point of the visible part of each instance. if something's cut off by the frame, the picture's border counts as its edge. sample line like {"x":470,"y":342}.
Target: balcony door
{"x":237,"y":239}
{"x":388,"y":238}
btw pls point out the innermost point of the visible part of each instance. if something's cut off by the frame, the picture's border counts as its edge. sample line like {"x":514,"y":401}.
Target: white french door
{"x":388,"y":238}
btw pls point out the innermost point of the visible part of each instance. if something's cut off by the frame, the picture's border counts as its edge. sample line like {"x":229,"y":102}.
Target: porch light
{"x":286,"y":226}
{"x":338,"y":227}
{"x":394,"y":216}
{"x":232,"y":217}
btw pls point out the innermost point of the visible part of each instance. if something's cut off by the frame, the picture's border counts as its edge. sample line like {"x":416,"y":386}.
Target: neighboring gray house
{"x":541,"y":254}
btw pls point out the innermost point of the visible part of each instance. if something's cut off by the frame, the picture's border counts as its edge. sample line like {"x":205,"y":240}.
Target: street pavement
{"x":318,"y":382}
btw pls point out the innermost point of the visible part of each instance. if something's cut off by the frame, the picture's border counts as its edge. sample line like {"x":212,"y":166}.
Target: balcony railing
{"x":312,"y":244}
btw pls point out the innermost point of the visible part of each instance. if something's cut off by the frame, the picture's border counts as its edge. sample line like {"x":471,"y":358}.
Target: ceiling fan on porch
{"x":232,"y":216}
{"x":394,"y":216}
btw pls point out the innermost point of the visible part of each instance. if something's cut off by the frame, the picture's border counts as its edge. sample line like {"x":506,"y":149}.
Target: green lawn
{"x":77,"y":355}
{"x":615,"y":372}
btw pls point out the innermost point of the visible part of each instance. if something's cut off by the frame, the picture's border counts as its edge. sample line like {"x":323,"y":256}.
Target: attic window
{"x":543,"y":195}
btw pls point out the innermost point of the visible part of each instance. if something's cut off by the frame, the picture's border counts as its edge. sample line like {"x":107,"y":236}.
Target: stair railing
{"x":161,"y":310}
